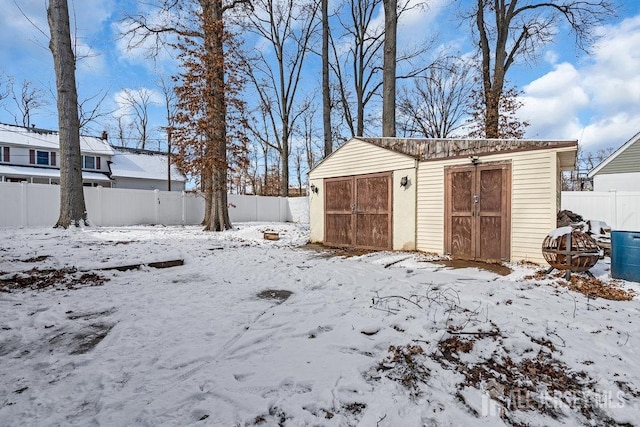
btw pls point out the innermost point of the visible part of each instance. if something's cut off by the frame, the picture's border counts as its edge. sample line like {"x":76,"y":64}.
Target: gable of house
{"x":625,"y":159}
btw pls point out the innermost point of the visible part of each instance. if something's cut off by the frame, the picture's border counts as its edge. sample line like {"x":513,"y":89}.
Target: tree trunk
{"x":207,"y":188}
{"x":326,"y":91}
{"x":72,"y":206}
{"x":389,"y":68}
{"x":217,"y":112}
{"x":284,"y":180}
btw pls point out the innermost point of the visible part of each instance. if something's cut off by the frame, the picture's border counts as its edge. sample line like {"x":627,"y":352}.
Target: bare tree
{"x":436,"y":104}
{"x":27,"y":100}
{"x":260,"y":127}
{"x":121,"y":129}
{"x":326,"y":89}
{"x":5,"y":86}
{"x":169,"y":95}
{"x":389,"y":68}
{"x":508,"y":30}
{"x":288,"y":27}
{"x":90,"y":110}
{"x":308,"y":134}
{"x":72,"y":206}
{"x":364,"y":57}
{"x":138,"y":102}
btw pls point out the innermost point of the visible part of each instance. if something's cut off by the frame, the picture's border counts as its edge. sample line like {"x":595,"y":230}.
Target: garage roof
{"x":437,"y":149}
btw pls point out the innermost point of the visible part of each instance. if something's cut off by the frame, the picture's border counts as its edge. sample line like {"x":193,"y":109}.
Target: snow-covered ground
{"x":388,"y":339}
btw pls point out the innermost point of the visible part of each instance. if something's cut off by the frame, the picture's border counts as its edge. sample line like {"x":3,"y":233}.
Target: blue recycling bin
{"x":625,"y":255}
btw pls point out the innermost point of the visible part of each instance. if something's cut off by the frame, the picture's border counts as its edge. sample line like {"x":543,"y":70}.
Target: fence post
{"x":156,"y":211}
{"x":184,"y":208}
{"x":24,"y":220}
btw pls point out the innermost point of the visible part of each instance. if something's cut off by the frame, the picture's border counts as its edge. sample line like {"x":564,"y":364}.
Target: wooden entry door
{"x":358,"y":211}
{"x":478,"y":212}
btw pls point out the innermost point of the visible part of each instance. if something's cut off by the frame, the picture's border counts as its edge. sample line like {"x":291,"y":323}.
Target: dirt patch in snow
{"x":328,"y":251}
{"x":280,"y":295}
{"x":36,"y":279}
{"x":457,"y":263}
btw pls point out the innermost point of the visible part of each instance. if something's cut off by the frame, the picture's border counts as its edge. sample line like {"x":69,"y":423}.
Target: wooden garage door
{"x":358,"y":211}
{"x":477,"y":212}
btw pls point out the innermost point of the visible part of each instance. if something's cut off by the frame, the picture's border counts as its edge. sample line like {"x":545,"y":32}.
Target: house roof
{"x":423,"y":149}
{"x":142,"y":165}
{"x":49,"y":140}
{"x":615,"y":156}
{"x":29,"y":171}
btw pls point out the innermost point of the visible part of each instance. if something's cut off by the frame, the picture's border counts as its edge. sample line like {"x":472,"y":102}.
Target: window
{"x":4,"y":154}
{"x":45,"y":158}
{"x":89,"y":162}
{"x":42,"y":158}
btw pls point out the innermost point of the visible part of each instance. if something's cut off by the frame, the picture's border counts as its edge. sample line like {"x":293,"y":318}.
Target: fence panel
{"x":24,"y":204}
{"x":243,"y":208}
{"x":194,"y":209}
{"x":170,"y":207}
{"x":11,"y":205}
{"x":268,"y":209}
{"x":619,"y":209}
{"x":43,"y":204}
{"x":127,"y":207}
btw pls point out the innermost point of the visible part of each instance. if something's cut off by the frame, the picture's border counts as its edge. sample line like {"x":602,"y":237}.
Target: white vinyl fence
{"x":33,"y":205}
{"x":619,"y":209}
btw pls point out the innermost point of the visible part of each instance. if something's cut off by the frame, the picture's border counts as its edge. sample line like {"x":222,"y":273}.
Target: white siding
{"x":357,"y":158}
{"x":533,"y":201}
{"x":404,"y":210}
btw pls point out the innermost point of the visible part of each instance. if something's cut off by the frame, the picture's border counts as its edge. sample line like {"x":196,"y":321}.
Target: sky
{"x":567,"y":93}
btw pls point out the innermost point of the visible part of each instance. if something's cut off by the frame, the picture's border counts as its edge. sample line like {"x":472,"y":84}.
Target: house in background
{"x":485,"y":200}
{"x":621,"y":170}
{"x":144,"y":170}
{"x":33,"y":155}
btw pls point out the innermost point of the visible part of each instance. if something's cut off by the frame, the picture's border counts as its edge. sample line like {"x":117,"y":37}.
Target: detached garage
{"x":485,"y":200}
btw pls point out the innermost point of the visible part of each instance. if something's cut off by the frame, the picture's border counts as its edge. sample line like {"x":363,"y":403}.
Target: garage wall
{"x":358,"y":158}
{"x":533,"y":201}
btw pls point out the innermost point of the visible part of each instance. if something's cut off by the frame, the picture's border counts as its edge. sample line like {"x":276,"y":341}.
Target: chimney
{"x":105,"y":135}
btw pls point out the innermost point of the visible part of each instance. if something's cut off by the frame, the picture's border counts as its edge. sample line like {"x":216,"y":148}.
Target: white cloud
{"x":551,"y":57}
{"x":594,"y":102}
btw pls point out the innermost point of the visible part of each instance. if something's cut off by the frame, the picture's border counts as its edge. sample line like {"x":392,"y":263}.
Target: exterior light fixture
{"x":404,"y":181}
{"x":314,"y":189}
{"x":474,"y":160}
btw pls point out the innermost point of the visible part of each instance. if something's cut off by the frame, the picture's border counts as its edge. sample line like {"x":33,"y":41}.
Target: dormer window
{"x":42,"y":158}
{"x":91,"y":162}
